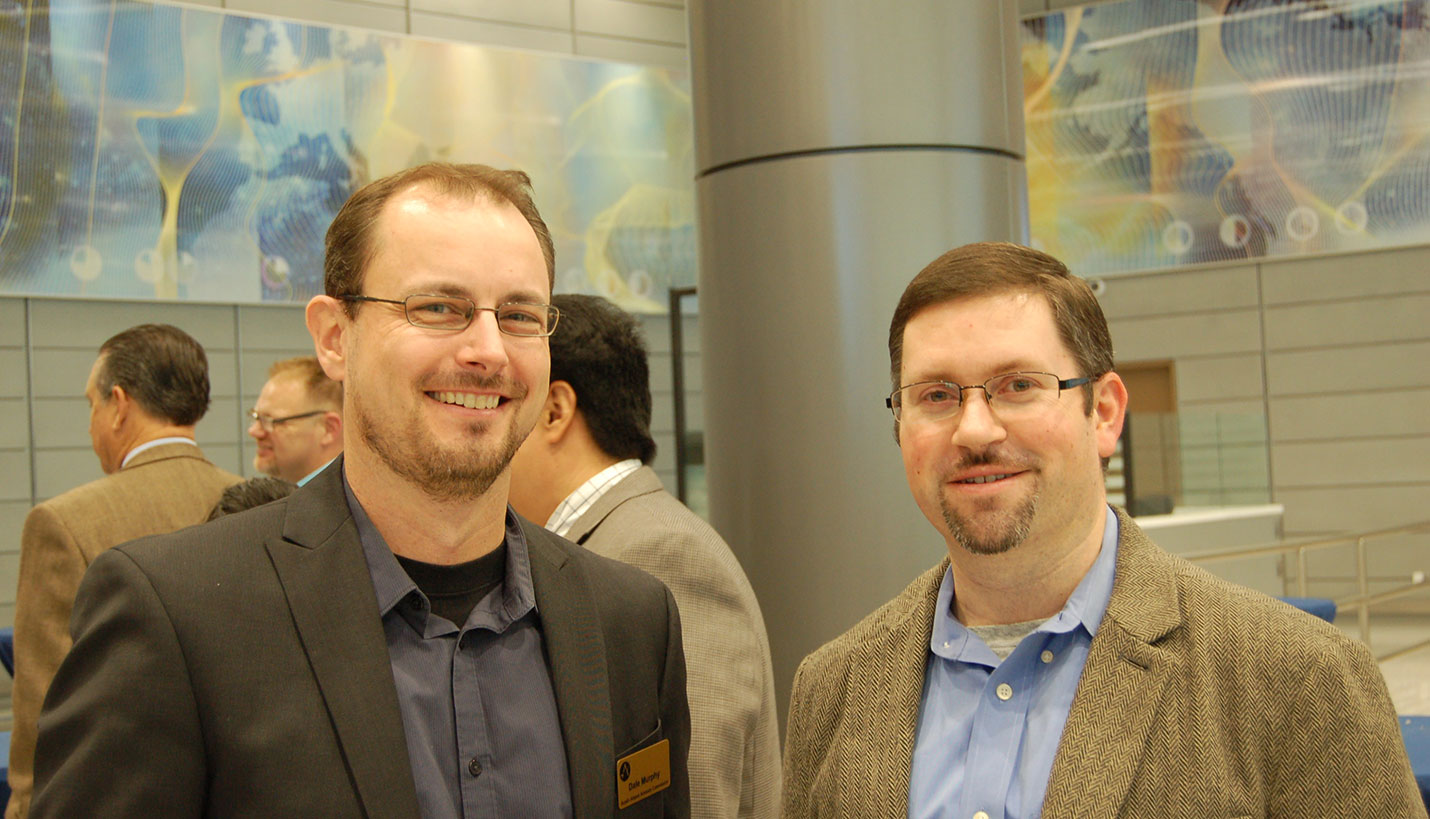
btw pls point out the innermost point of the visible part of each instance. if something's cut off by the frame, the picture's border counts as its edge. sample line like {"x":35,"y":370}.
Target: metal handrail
{"x":1360,"y":602}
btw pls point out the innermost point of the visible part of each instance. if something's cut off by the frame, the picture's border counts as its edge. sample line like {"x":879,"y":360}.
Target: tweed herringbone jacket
{"x":734,"y":735}
{"x":1199,"y":699}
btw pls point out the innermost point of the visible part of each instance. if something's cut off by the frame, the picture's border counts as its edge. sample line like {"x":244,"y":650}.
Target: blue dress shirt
{"x":987,"y":729}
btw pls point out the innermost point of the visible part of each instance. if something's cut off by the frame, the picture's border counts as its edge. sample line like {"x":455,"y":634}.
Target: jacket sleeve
{"x":806,"y":742}
{"x":120,"y":727}
{"x":675,"y":714}
{"x":51,"y":565}
{"x":1341,"y":752}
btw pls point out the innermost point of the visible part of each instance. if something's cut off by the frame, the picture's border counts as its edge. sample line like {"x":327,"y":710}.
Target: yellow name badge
{"x":643,"y":773}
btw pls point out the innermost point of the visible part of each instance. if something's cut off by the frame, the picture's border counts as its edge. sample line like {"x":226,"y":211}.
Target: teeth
{"x":985,"y":479}
{"x":467,"y":399}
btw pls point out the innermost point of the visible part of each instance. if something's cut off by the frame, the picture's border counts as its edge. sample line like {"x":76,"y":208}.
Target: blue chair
{"x":1416,"y":733}
{"x":1322,"y":607}
{"x":4,"y":768}
{"x":7,"y":649}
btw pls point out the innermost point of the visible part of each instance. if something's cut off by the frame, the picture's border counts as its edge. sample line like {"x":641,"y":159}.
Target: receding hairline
{"x":437,"y":191}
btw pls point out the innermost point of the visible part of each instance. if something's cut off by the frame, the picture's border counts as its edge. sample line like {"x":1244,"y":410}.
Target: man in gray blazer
{"x":583,"y":471}
{"x":391,"y":640}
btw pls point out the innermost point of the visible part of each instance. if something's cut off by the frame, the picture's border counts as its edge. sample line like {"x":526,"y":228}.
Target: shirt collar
{"x":1085,"y":607}
{"x":148,"y":445}
{"x":580,"y":501}
{"x":392,"y":584}
{"x":314,"y":473}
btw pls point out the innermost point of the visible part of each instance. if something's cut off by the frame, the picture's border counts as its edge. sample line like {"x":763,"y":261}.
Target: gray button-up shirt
{"x":477,"y":704}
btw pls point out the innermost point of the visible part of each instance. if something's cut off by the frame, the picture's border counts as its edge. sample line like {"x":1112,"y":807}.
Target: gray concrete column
{"x":841,"y":146}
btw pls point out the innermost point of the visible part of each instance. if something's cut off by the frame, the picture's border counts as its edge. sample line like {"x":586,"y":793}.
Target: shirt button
{"x":474,"y":767}
{"x":1005,"y":693}
{"x":980,"y":815}
{"x":1047,"y":656}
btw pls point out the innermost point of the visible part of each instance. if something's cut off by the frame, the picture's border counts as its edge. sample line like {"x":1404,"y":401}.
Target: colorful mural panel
{"x":153,"y":151}
{"x":1167,"y":132}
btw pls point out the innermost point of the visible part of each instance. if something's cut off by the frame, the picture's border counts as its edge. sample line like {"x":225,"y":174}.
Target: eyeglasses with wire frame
{"x":1009,"y":395}
{"x":267,"y":422}
{"x":455,"y":313}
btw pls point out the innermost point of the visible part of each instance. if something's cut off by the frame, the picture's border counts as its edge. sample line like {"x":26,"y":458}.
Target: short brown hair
{"x":348,"y":247}
{"x":307,"y":370}
{"x":986,"y":268}
{"x":161,"y":367}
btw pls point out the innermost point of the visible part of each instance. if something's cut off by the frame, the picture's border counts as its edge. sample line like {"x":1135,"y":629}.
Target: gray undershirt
{"x":1003,"y":639}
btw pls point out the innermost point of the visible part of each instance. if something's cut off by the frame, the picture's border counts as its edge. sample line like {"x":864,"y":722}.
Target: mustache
{"x":475,"y":381}
{"x":997,"y":458}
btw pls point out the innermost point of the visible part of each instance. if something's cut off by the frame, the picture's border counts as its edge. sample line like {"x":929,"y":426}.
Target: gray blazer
{"x":240,"y":669}
{"x":734,"y":742}
{"x":1199,"y":698}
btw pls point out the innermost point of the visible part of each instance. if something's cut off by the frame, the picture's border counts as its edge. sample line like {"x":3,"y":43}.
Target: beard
{"x":444,"y":473}
{"x":997,"y":531}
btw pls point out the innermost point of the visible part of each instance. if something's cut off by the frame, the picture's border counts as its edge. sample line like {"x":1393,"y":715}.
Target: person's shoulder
{"x":911,"y":607}
{"x":82,"y":499}
{"x":601,"y":571}
{"x":229,"y":538}
{"x":1242,"y":618}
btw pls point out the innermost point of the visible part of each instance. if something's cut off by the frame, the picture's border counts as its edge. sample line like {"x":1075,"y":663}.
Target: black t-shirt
{"x":457,"y":589}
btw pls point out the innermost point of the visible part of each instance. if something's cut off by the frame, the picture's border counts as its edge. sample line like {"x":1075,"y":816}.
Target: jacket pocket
{"x":649,"y":739}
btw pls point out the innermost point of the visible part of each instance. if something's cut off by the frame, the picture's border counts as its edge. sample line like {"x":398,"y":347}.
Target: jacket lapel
{"x":1121,"y":687}
{"x":643,"y":481}
{"x":325,"y":577}
{"x":896,"y":662}
{"x":576,"y":656}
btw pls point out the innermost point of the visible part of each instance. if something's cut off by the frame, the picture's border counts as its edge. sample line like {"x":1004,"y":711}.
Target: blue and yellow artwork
{"x":154,"y":151}
{"x":1167,"y":132}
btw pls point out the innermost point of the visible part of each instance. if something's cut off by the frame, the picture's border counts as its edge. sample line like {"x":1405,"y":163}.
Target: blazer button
{"x":474,"y":767}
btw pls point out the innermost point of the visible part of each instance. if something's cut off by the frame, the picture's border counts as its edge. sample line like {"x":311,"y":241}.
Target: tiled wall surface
{"x":648,"y":32}
{"x":45,"y":379}
{"x":1308,"y":375}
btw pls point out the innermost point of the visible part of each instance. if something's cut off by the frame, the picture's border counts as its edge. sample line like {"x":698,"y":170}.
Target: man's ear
{"x":1108,"y":411}
{"x":332,"y":428}
{"x":121,"y":401}
{"x":558,"y":412}
{"x":327,"y":323}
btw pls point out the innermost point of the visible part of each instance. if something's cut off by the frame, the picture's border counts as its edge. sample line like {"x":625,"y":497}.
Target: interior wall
{"x":1308,"y":374}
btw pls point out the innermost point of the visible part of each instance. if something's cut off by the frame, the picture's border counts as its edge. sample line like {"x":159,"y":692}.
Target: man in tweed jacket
{"x":583,"y":473}
{"x":1059,"y":664}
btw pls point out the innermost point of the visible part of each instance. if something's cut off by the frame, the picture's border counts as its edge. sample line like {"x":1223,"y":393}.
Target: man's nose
{"x":977,"y":424}
{"x":483,"y":342}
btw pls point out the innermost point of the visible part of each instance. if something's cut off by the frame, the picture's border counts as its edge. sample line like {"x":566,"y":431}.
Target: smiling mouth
{"x":988,"y":478}
{"x":467,"y":399}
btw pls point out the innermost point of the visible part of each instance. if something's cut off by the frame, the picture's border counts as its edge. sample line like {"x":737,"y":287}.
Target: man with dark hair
{"x":146,"y":391}
{"x":1058,"y":663}
{"x":390,"y":640}
{"x":297,"y":421}
{"x":584,"y":471}
{"x":250,"y":494}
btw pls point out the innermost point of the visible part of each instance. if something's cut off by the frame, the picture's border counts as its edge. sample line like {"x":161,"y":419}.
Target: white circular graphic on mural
{"x":1234,"y":230}
{"x":1177,"y":237}
{"x":148,"y":266}
{"x":275,"y":271}
{"x":1351,"y":218}
{"x":640,"y":283}
{"x":1302,"y":223}
{"x":187,"y":264}
{"x":85,"y":263}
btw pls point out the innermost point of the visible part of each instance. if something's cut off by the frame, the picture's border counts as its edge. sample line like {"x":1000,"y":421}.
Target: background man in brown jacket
{"x":1059,"y":664}
{"x":146,"y":391}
